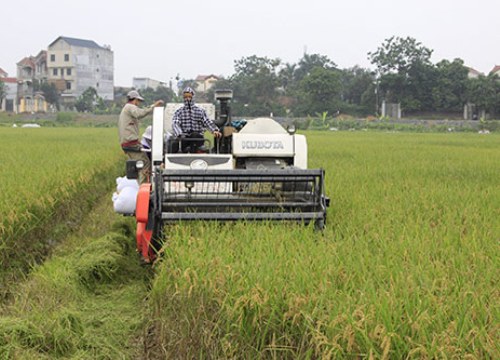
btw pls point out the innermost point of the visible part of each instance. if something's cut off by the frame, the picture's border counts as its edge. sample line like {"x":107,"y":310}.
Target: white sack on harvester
{"x":125,"y":197}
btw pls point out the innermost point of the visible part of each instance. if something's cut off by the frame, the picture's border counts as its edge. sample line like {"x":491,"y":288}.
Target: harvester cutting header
{"x":256,"y":170}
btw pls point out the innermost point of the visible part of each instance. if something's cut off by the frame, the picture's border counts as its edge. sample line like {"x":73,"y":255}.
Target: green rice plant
{"x":407,"y":267}
{"x":46,"y":175}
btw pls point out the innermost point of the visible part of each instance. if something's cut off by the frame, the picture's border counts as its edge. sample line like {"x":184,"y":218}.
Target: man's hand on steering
{"x":217,"y":134}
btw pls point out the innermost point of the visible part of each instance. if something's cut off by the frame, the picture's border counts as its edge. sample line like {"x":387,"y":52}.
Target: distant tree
{"x":484,"y":92}
{"x":421,"y":81}
{"x":255,"y":85}
{"x":399,"y":55}
{"x":392,"y":87}
{"x":87,"y":101}
{"x":293,"y":79}
{"x":311,"y":61}
{"x":319,"y":91}
{"x":50,"y":93}
{"x":160,"y":93}
{"x":450,"y":88}
{"x":120,"y":91}
{"x":286,"y":77}
{"x":101,"y":105}
{"x":405,"y":71}
{"x":358,"y":89}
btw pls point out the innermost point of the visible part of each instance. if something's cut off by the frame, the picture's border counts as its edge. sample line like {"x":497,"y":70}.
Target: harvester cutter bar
{"x":281,"y":194}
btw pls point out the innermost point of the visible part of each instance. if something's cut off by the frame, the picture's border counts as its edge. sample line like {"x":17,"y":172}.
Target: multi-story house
{"x":74,"y":65}
{"x":31,"y":69}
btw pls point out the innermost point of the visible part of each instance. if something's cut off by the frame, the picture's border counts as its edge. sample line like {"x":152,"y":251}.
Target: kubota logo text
{"x":262,"y":144}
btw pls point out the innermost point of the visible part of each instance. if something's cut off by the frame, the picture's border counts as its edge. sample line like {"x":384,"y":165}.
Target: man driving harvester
{"x":190,"y":122}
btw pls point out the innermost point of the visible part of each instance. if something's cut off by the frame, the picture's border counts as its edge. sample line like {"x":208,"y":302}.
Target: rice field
{"x":407,"y":267}
{"x":45,"y":172}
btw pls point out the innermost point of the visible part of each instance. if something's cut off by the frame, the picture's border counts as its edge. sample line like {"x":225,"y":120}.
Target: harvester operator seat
{"x":192,"y":143}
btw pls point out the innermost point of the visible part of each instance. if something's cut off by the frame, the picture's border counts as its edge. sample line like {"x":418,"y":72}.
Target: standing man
{"x":128,"y":130}
{"x":191,"y":119}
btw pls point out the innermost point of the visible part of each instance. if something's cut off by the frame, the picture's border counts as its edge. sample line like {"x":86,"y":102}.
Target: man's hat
{"x":134,"y":95}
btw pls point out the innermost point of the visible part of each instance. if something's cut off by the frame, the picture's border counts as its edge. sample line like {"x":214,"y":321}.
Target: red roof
{"x":27,"y":61}
{"x":9,"y":80}
{"x":495,"y":69}
{"x":474,"y":71}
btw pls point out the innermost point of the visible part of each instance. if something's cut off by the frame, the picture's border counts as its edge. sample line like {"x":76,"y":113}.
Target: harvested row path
{"x":87,"y":300}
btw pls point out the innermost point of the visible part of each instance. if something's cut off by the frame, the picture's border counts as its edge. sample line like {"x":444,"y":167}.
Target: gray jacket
{"x":128,"y":123}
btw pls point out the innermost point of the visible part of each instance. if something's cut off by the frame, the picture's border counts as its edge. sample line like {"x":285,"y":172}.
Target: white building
{"x":473,"y":73}
{"x":74,"y":65}
{"x":141,"y":83}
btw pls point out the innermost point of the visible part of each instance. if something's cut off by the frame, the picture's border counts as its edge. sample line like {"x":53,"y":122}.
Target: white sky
{"x":159,"y":39}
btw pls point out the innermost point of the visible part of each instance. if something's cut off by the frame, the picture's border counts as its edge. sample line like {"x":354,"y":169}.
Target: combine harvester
{"x":256,"y":171}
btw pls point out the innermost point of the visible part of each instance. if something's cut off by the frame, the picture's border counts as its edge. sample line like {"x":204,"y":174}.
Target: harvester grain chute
{"x":256,"y":171}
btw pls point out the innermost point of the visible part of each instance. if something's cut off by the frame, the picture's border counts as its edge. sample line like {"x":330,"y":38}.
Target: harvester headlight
{"x":139,"y":165}
{"x":291,"y":129}
{"x":199,"y":164}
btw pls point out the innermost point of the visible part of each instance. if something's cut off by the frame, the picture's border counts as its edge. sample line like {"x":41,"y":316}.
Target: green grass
{"x":407,"y":268}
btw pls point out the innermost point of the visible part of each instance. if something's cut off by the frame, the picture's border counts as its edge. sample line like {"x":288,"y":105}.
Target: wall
{"x":94,"y":68}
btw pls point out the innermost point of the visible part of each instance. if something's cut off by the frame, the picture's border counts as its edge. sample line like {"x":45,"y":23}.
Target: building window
{"x":52,"y":57}
{"x":68,"y":85}
{"x":66,"y":57}
{"x":68,"y":71}
{"x":97,"y":70}
{"x":54,"y":72}
{"x":97,"y":85}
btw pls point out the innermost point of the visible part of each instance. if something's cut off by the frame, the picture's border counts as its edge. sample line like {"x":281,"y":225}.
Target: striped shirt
{"x":187,"y":121}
